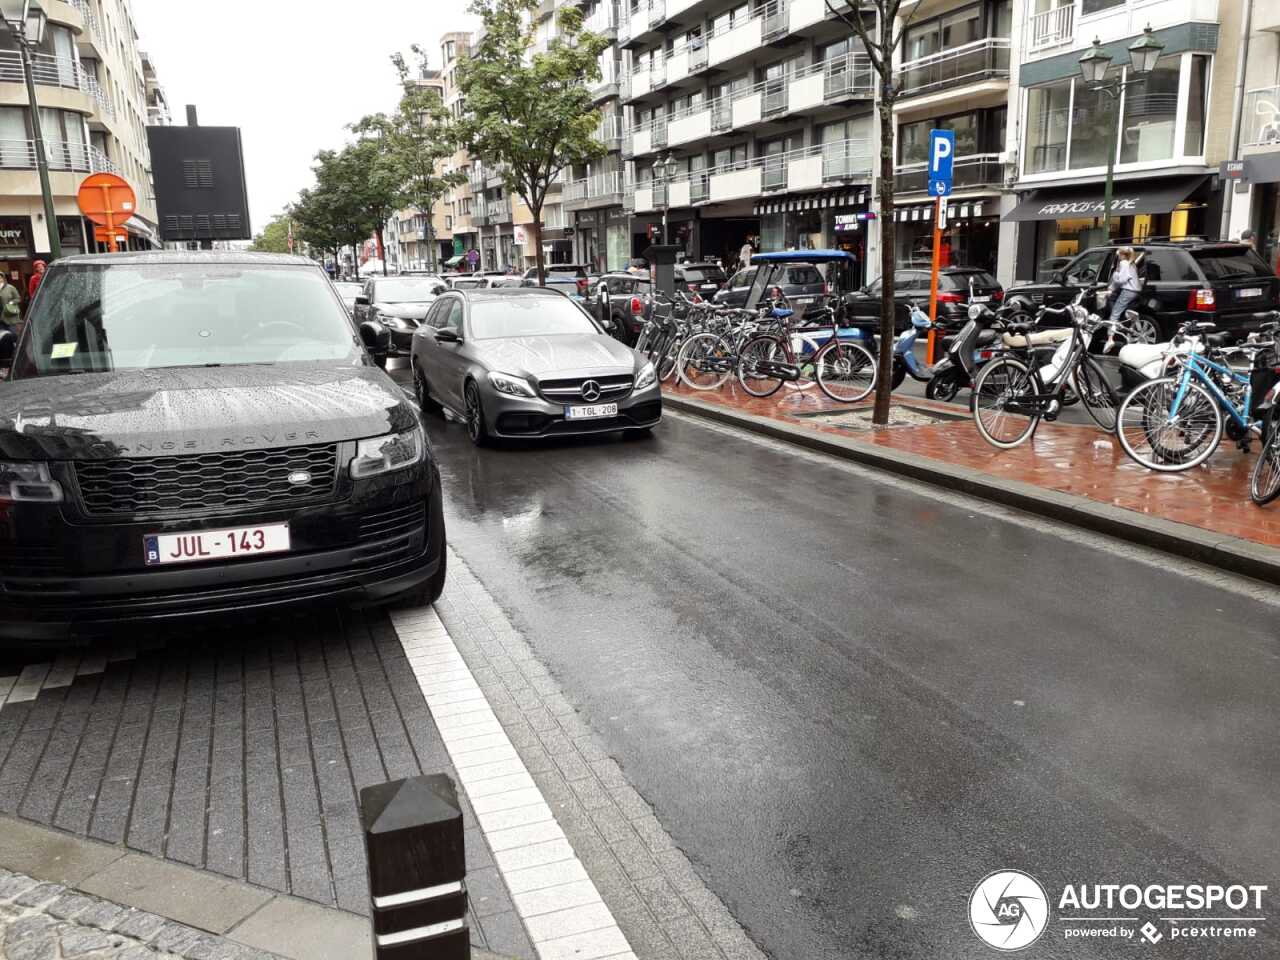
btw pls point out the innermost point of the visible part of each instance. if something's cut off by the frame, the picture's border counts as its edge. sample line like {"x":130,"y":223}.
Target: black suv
{"x":187,"y":434}
{"x":955,"y":286}
{"x":1224,"y":283}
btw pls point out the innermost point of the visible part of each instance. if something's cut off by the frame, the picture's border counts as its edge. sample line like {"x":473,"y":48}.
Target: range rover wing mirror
{"x":376,"y":338}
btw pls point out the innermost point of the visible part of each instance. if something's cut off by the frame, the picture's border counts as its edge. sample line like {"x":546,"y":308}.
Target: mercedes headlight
{"x":511,"y":386}
{"x":395,"y":451}
{"x":28,"y":482}
{"x":647,"y":377}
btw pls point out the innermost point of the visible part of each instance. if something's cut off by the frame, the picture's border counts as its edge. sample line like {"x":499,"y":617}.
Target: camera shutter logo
{"x":1009,"y":910}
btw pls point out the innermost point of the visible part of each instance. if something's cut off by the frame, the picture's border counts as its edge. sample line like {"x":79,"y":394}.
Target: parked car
{"x":529,"y":362}
{"x":1207,"y":280}
{"x":802,"y":283}
{"x":399,"y":303}
{"x":349,"y":292}
{"x":191,"y":435}
{"x":571,"y":269}
{"x":622,"y":302}
{"x":562,"y":276}
{"x":954,"y":285}
{"x":704,"y":279}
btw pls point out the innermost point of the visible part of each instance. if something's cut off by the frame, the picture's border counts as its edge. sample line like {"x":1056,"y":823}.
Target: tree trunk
{"x":888,"y":235}
{"x":382,"y":251}
{"x":540,"y":257}
{"x":431,"y":244}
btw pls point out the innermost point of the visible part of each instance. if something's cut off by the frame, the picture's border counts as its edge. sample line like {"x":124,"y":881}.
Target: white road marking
{"x":552,"y":892}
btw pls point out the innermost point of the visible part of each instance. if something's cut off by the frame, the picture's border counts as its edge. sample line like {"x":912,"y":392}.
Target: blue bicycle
{"x":1175,"y":423}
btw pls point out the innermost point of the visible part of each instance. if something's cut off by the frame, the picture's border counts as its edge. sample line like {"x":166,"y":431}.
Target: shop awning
{"x":1129,"y":197}
{"x":962,"y":210}
{"x":817,"y":201}
{"x":454,"y":261}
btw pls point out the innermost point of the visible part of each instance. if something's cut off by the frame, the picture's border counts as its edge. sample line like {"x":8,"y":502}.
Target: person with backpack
{"x":10,"y":303}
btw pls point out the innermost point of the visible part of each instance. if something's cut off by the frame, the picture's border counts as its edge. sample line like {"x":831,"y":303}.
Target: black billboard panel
{"x":200,"y":184}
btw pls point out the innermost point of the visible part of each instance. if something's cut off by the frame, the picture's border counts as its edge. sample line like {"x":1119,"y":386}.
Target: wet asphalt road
{"x":848,"y":702}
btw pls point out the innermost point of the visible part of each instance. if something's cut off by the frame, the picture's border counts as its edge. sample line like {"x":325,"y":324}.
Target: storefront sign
{"x":15,"y":238}
{"x":1232,"y":170}
{"x":1131,"y":198}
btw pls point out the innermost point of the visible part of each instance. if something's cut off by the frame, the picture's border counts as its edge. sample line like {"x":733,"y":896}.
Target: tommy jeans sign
{"x":1087,"y":208}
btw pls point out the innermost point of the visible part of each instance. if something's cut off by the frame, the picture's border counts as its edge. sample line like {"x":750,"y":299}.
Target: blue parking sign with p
{"x":942,"y":152}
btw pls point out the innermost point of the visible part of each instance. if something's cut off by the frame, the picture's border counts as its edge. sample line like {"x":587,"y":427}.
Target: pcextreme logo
{"x":1010,"y":910}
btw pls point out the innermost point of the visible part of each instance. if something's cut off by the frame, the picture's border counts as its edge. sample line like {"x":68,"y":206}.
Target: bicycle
{"x":1264,"y":483}
{"x":1010,"y":391}
{"x":1174,"y":423}
{"x":845,"y":371}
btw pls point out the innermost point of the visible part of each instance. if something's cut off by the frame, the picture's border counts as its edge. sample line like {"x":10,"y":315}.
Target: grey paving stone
{"x":487,"y":892}
{"x":101,"y":914}
{"x":11,"y":887}
{"x":662,"y":899}
{"x":631,"y":804}
{"x":636,"y":859}
{"x":677,"y":869}
{"x":505,"y":934}
{"x":40,"y":895}
{"x":645,"y":934}
{"x":140,"y":925}
{"x":76,"y":941}
{"x":68,"y":905}
{"x":590,"y":793}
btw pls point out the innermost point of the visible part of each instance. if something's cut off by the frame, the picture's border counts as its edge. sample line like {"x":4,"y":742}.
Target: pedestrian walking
{"x":34,"y":284}
{"x":1125,"y":283}
{"x":10,"y":304}
{"x":745,"y":254}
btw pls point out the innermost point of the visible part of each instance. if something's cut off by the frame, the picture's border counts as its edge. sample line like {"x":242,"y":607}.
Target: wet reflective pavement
{"x":849,"y":701}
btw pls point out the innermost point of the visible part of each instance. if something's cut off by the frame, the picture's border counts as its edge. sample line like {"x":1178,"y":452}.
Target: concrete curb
{"x":1214,"y":549}
{"x":185,"y":897}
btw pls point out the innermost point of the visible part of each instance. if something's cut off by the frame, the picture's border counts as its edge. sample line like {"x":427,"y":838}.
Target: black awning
{"x":1129,"y":197}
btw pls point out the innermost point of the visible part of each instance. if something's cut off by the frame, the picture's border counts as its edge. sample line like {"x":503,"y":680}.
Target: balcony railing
{"x":969,"y":63}
{"x":973,"y":170}
{"x":1050,"y":28}
{"x":609,"y":132}
{"x":90,"y":18}
{"x":62,"y":155}
{"x":603,"y":19}
{"x":598,"y":188}
{"x":1260,"y":123}
{"x":91,"y":86}
{"x":45,"y":68}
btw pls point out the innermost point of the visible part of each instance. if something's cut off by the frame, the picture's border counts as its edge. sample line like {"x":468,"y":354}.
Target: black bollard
{"x":417,"y":869}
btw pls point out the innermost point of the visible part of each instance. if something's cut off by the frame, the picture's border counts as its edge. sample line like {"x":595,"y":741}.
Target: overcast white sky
{"x":290,"y":73}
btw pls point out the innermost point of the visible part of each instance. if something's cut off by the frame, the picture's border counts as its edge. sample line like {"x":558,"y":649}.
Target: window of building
{"x":1097,"y":6}
{"x":1093,"y":124}
{"x":1048,"y":121}
{"x":1151,"y":114}
{"x":1197,"y":94}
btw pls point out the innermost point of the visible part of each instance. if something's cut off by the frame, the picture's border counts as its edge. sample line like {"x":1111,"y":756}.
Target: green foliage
{"x":414,"y":141}
{"x":530,"y":112}
{"x":274,"y":238}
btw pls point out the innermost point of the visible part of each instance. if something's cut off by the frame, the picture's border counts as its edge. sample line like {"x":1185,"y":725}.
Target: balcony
{"x":599,"y":190}
{"x":62,"y":155}
{"x":609,"y":84}
{"x":45,"y":68}
{"x":809,"y":168}
{"x":94,"y":89}
{"x":1050,"y":28}
{"x":645,"y":138}
{"x":968,"y":172}
{"x":1260,"y":123}
{"x":609,"y":132}
{"x":498,"y":211}
{"x":604,"y":20}
{"x":971,"y":63}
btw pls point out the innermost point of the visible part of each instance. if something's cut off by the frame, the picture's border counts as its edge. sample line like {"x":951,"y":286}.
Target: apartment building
{"x":407,"y":241}
{"x":158,"y":112}
{"x":1256,"y":200}
{"x":93,"y":115}
{"x":1174,"y":126}
{"x":457,"y":228}
{"x":765,"y":109}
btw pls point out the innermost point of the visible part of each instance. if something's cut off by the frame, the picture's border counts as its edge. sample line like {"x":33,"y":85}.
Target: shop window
{"x":1151,"y":114}
{"x":1048,"y":116}
{"x":1193,"y":141}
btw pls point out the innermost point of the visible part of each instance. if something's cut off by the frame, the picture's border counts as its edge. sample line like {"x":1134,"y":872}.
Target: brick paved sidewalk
{"x":1069,"y":459}
{"x":46,"y":921}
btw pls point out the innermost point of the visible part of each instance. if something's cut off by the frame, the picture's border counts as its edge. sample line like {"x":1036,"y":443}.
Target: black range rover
{"x":187,"y":434}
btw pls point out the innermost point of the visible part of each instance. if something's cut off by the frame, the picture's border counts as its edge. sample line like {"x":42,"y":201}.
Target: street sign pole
{"x":942,"y":149}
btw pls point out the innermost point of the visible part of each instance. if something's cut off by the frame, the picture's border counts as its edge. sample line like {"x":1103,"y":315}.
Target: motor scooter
{"x":905,"y":362}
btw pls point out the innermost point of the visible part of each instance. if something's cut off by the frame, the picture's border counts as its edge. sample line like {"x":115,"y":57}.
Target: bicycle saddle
{"x":1216,"y":339}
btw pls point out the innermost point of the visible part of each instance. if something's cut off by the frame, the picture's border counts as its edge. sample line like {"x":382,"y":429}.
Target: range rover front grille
{"x":203,"y":482}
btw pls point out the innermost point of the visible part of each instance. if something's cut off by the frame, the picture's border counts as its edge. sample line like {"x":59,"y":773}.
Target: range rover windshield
{"x":99,"y":317}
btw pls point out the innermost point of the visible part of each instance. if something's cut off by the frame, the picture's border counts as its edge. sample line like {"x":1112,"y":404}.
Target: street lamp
{"x":665,"y":170}
{"x":1143,"y":54}
{"x":27,"y":21}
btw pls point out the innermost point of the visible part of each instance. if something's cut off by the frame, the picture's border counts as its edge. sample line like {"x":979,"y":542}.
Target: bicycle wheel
{"x":1152,"y":436}
{"x":756,"y":363}
{"x":1264,"y":486}
{"x":846,"y":370}
{"x":705,"y":361}
{"x":1004,"y":407}
{"x":1095,"y":391}
{"x":670,"y":352}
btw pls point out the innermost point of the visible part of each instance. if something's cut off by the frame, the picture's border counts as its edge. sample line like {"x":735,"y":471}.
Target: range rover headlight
{"x":29,"y":483}
{"x":395,"y":451}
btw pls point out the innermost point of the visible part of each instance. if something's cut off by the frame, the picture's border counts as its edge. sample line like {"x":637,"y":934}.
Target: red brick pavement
{"x":1072,"y":459}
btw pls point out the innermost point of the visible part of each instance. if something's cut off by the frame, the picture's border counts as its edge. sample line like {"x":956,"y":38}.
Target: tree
{"x":274,"y":237}
{"x":417,"y":138}
{"x":882,"y":39}
{"x":530,"y":112}
{"x":360,"y":185}
{"x":320,"y":222}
